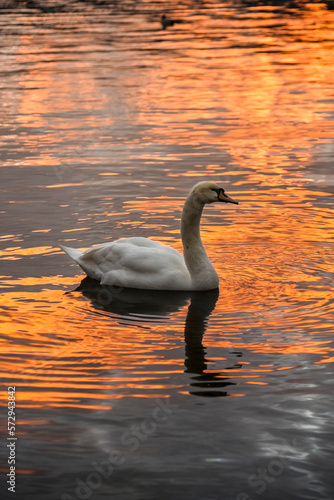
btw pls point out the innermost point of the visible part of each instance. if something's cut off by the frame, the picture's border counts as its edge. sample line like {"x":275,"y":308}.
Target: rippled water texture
{"x":106,"y":122}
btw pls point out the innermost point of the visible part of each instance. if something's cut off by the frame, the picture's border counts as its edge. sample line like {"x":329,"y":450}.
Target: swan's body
{"x":134,"y":263}
{"x":146,"y":264}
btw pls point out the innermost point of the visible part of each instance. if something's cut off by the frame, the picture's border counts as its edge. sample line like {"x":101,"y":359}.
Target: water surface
{"x":106,"y":123}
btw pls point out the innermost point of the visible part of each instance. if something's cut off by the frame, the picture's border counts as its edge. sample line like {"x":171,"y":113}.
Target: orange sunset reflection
{"x":112,"y":125}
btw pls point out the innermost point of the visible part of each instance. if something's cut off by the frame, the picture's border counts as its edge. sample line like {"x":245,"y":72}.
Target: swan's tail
{"x":89,"y":266}
{"x":73,"y":253}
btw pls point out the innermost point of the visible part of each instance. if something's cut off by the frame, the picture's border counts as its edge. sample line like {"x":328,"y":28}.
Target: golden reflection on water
{"x":263,"y":96}
{"x":67,"y":352}
{"x":76,"y":353}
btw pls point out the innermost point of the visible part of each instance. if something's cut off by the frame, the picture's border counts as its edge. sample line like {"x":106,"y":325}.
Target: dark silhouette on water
{"x":167,"y":21}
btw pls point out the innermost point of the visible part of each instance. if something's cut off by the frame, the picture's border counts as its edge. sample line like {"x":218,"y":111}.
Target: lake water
{"x":106,"y":123}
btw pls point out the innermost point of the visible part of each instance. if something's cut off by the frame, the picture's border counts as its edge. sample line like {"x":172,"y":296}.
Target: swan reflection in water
{"x":133,"y":302}
{"x":210,"y":382}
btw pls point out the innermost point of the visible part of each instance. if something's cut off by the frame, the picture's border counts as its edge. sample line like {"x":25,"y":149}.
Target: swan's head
{"x":209,"y":192}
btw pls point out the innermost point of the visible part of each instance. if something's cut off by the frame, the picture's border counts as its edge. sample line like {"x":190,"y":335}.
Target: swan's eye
{"x":218,"y":191}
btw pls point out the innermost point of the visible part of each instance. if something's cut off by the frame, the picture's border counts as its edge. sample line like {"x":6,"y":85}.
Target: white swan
{"x":146,"y":264}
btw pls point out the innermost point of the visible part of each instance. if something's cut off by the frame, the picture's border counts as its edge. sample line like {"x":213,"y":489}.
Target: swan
{"x":146,"y":264}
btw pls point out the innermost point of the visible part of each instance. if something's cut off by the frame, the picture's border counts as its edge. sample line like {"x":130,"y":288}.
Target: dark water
{"x":106,"y":122}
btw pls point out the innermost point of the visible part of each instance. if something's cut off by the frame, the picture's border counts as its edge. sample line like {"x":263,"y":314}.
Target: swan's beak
{"x":223,"y":197}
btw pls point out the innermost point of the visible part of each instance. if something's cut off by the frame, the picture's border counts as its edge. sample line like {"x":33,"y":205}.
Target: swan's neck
{"x":202,"y":273}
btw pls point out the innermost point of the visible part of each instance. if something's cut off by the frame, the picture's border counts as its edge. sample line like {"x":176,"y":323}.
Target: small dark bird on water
{"x":166,"y":21}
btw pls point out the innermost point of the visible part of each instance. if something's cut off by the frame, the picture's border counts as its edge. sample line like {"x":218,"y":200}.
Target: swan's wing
{"x":136,"y":263}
